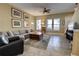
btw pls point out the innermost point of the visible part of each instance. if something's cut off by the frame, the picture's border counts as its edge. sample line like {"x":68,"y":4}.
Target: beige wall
{"x":5,"y":19}
{"x":75,"y":43}
{"x":61,"y":16}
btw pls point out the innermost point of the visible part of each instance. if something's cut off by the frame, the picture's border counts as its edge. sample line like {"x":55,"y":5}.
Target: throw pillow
{"x":11,"y":33}
{"x":16,"y":32}
{"x":4,"y":39}
{"x":8,"y":33}
{"x":22,"y":31}
{"x":1,"y":42}
{"x":26,"y":31}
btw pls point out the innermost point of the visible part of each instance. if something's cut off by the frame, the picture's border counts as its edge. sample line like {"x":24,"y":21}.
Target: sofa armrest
{"x":13,"y":48}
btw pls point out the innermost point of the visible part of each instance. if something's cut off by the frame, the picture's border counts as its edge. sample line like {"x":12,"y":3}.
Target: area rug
{"x":42,"y":44}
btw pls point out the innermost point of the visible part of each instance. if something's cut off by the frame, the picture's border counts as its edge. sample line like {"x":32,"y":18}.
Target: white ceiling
{"x":36,"y":9}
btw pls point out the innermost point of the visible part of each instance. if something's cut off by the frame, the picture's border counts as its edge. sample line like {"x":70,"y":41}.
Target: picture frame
{"x":16,"y":23}
{"x":26,"y":23}
{"x":25,"y":16}
{"x":16,"y":13}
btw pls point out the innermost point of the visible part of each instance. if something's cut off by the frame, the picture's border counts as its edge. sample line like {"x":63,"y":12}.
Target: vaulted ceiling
{"x":36,"y":9}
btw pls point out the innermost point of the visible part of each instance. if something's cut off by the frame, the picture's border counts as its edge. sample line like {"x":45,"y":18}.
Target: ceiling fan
{"x":45,"y":10}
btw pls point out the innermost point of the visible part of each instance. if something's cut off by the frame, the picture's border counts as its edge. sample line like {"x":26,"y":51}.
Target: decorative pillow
{"x":0,"y":33}
{"x":16,"y":33}
{"x":22,"y":31}
{"x":1,"y":42}
{"x":3,"y":39}
{"x":8,"y":33}
{"x":11,"y":33}
{"x":26,"y":31}
{"x":31,"y":30}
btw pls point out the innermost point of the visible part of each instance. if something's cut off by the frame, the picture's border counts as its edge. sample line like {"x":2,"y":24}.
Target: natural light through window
{"x":56,"y":24}
{"x":49,"y":24}
{"x":38,"y":24}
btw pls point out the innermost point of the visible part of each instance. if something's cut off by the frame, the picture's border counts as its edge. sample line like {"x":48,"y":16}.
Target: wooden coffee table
{"x":36,"y":35}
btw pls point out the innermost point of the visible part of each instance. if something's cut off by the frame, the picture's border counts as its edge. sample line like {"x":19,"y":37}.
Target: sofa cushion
{"x":22,"y":31}
{"x":15,"y":38}
{"x":0,"y":33}
{"x":6,"y":35}
{"x":1,"y":42}
{"x":31,"y":30}
{"x":26,"y":31}
{"x":10,"y":33}
{"x":16,"y":33}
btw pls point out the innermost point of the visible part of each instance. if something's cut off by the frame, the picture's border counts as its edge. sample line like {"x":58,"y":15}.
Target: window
{"x":56,"y":24}
{"x":49,"y":24}
{"x":68,"y":20}
{"x":38,"y":24}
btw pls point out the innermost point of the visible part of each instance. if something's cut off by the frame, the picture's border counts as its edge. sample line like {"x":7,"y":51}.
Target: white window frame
{"x":55,"y":28}
{"x":49,"y":29}
{"x":38,"y":25}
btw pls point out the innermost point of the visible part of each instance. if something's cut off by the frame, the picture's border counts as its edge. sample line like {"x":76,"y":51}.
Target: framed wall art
{"x":16,"y":23}
{"x":25,"y":16}
{"x":26,"y":23}
{"x":16,"y":13}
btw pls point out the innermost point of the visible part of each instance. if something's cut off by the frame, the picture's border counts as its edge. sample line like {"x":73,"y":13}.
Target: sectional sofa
{"x":12,"y":42}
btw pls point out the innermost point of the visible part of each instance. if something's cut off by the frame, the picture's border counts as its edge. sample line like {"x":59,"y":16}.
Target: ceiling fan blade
{"x":45,"y":10}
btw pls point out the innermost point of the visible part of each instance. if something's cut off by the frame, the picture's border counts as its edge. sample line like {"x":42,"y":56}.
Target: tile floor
{"x":57,"y":46}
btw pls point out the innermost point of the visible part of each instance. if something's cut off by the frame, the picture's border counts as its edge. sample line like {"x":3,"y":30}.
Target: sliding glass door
{"x":38,"y":25}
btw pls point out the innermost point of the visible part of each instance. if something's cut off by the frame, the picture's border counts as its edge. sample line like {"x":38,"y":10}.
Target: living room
{"x":39,"y":29}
